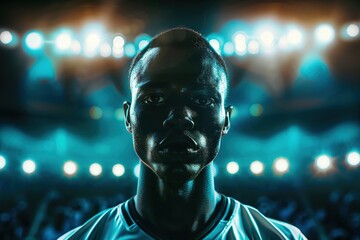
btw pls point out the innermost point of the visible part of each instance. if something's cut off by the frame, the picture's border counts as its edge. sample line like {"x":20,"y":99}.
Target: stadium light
{"x":63,"y":41}
{"x":143,"y":43}
{"x":29,"y":166}
{"x":353,"y":159}
{"x":240,"y":40}
{"x":118,"y":170}
{"x":118,"y":52}
{"x":75,"y":47}
{"x":294,"y":37}
{"x":6,"y":37}
{"x":281,"y":165}
{"x":70,"y":168}
{"x":137,"y":170}
{"x":95,"y":169}
{"x":253,"y":47}
{"x":118,"y":41}
{"x":105,"y":50}
{"x":215,"y":44}
{"x":323,"y":163}
{"x":352,"y":30}
{"x":34,"y":40}
{"x":267,"y":37}
{"x":324,"y":33}
{"x":142,"y":40}
{"x":232,"y":167}
{"x":257,"y":167}
{"x":92,"y":43}
{"x":2,"y":162}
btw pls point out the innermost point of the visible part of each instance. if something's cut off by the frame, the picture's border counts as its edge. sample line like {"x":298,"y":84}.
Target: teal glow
{"x":256,"y":110}
{"x":314,"y":68}
{"x":228,"y":49}
{"x":130,"y":50}
{"x":216,"y":41}
{"x":142,"y":40}
{"x":234,"y":26}
{"x":42,"y":69}
{"x":33,"y":43}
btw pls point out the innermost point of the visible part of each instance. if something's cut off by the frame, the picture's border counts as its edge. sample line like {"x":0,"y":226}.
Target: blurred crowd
{"x":336,"y":218}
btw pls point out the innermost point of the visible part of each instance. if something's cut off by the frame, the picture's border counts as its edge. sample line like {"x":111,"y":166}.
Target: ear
{"x":126,"y":107}
{"x":226,"y":127}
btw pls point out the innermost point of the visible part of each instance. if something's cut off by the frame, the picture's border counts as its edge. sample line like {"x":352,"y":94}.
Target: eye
{"x":154,"y":99}
{"x":203,"y":100}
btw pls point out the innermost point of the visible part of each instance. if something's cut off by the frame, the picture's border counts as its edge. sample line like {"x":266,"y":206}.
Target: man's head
{"x":177,"y":115}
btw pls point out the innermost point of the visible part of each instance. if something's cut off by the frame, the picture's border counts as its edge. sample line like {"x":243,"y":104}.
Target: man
{"x":177,"y":117}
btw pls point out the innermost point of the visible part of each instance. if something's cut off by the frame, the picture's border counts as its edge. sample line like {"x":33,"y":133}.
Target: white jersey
{"x":231,"y":220}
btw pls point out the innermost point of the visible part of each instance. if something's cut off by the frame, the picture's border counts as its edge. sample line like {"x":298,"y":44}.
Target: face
{"x":177,"y":115}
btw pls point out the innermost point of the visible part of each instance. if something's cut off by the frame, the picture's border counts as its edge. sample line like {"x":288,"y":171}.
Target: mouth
{"x":178,"y":146}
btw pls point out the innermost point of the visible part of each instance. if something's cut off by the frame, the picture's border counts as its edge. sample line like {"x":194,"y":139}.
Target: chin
{"x":177,"y":175}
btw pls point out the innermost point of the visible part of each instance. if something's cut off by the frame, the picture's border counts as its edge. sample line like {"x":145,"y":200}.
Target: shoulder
{"x":249,"y":221}
{"x":99,"y":226}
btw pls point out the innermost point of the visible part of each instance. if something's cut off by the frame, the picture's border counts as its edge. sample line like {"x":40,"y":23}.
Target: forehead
{"x":170,"y":66}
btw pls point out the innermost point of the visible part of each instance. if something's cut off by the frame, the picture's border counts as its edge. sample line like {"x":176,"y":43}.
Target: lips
{"x":178,"y":145}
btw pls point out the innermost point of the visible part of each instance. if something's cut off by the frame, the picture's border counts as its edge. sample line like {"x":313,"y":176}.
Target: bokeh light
{"x":105,"y":50}
{"x":6,"y":37}
{"x":2,"y":162}
{"x":29,"y":166}
{"x":75,"y":47}
{"x":95,"y":112}
{"x":92,"y":43}
{"x":130,"y":50}
{"x":215,"y":44}
{"x":352,"y":30}
{"x":143,"y":43}
{"x":118,"y":170}
{"x":253,"y":47}
{"x":228,"y":49}
{"x":281,"y":165}
{"x":294,"y":37}
{"x":118,"y":52}
{"x":70,"y":168}
{"x":324,"y":33}
{"x":119,"y":114}
{"x":240,"y":40}
{"x":95,"y":169}
{"x":256,"y":110}
{"x":232,"y":167}
{"x":353,"y":159}
{"x":323,"y":163}
{"x":63,"y":41}
{"x":267,"y":37}
{"x":34,"y":40}
{"x":137,"y":170}
{"x":215,"y":169}
{"x":118,"y":41}
{"x":257,"y":167}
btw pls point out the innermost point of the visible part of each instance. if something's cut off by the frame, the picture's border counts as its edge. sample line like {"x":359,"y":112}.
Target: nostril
{"x":183,"y":123}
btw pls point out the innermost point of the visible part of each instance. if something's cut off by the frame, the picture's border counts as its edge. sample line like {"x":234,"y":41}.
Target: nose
{"x":179,"y":119}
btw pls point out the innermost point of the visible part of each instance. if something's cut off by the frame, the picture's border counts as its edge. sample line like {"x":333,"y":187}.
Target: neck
{"x":174,"y":208}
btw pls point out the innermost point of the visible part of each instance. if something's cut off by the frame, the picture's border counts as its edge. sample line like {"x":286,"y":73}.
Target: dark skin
{"x":177,"y":118}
